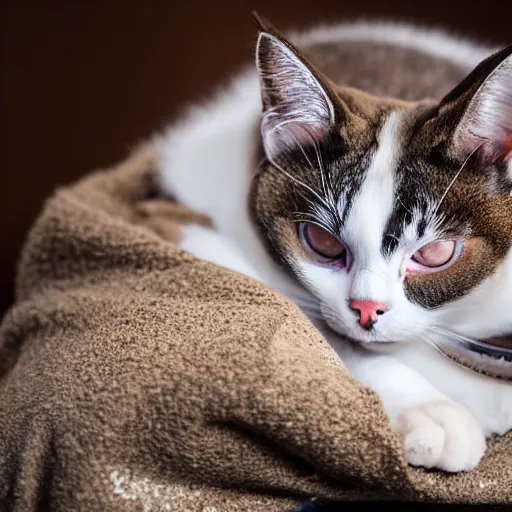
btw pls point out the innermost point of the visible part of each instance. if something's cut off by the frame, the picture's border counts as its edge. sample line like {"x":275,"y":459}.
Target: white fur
{"x":207,"y":163}
{"x":206,"y":244}
{"x":441,"y":435}
{"x":369,"y":215}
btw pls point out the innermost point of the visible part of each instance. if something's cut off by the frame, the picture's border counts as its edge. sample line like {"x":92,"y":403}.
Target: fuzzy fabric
{"x":134,"y":376}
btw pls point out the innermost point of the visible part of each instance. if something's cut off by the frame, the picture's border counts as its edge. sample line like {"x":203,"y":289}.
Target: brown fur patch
{"x":477,"y":261}
{"x":385,"y":69}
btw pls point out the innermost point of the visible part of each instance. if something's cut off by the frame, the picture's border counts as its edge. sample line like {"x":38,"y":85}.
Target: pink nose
{"x":369,"y":311}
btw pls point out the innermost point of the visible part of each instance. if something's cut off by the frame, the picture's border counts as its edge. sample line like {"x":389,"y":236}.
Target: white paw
{"x":441,"y":435}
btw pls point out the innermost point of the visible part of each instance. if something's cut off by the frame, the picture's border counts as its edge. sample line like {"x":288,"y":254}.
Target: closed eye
{"x":435,"y":256}
{"x":322,"y":245}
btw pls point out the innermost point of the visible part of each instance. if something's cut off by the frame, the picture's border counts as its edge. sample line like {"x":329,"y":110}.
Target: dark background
{"x":81,"y":82}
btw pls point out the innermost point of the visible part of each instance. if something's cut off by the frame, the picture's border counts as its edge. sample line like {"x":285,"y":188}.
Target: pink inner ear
{"x":508,"y":149}
{"x":286,"y":136}
{"x":307,"y":133}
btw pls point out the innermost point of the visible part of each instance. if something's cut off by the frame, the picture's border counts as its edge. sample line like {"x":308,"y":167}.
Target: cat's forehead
{"x":388,"y":164}
{"x":362,"y":127}
{"x":368,"y":128}
{"x":383,"y":201}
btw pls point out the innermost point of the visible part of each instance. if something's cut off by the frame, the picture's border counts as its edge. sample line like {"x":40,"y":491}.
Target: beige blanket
{"x":135,"y":377}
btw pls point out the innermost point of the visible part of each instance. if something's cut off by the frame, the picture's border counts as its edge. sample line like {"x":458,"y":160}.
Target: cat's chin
{"x":380,"y":346}
{"x":371,"y":342}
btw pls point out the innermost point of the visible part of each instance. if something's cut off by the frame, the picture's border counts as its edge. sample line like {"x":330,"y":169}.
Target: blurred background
{"x":83,"y":81}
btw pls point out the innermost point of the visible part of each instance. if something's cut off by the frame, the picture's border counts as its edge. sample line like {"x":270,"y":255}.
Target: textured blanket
{"x":134,"y":376}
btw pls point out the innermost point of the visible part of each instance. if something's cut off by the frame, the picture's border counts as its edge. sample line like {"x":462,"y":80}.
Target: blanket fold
{"x":134,"y":376}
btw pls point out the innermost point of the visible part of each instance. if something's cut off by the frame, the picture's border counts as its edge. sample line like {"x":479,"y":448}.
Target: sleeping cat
{"x":348,"y":176}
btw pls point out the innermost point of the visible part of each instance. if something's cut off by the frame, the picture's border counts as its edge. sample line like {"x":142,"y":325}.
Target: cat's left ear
{"x":299,"y":106}
{"x":484,"y":101}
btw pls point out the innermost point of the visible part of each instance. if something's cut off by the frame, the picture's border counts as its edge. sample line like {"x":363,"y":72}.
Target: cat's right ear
{"x":299,"y":107}
{"x":481,"y":108}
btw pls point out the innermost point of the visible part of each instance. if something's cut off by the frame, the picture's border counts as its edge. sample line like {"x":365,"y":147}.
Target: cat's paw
{"x":441,"y":435}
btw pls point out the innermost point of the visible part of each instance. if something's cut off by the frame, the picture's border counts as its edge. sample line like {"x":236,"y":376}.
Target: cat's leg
{"x":436,"y":432}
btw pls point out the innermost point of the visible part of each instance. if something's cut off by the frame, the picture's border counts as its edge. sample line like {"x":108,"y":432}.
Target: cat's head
{"x":393,"y":214}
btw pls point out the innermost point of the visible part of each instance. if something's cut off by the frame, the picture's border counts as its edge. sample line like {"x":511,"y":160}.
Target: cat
{"x":365,"y":171}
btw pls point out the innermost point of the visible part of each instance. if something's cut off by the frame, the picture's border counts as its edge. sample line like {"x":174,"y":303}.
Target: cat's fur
{"x":388,"y":169}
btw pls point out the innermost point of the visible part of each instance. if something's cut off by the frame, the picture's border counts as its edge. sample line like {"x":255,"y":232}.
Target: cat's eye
{"x":320,"y":242}
{"x":434,"y":256}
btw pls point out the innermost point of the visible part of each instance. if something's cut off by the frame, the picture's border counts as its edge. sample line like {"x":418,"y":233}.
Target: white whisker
{"x":405,"y":207}
{"x":454,"y":180}
{"x":297,"y":181}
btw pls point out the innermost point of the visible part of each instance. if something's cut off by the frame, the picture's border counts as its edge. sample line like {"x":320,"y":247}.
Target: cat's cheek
{"x":434,"y":289}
